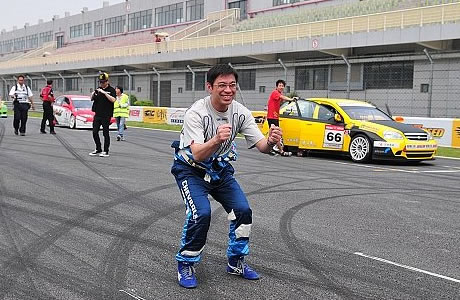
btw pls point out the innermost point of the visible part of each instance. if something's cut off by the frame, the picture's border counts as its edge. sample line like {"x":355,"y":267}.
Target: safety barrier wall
{"x":439,"y":14}
{"x":446,"y":131}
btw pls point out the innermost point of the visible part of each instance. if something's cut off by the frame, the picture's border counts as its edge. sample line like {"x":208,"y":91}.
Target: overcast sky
{"x":17,"y":13}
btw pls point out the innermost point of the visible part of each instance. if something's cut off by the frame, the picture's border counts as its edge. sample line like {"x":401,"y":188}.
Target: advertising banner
{"x":136,"y":113}
{"x":440,"y":128}
{"x":175,"y":116}
{"x":156,"y":115}
{"x":456,"y":133}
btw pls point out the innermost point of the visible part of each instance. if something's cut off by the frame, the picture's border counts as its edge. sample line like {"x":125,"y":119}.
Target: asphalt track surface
{"x":79,"y":227}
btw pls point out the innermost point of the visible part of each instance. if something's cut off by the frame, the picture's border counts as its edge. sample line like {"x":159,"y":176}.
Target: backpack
{"x":43,"y":95}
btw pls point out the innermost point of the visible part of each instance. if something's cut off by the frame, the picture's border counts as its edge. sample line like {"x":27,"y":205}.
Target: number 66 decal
{"x":333,"y":136}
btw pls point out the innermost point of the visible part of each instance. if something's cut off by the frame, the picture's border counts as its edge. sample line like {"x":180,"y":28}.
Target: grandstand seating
{"x":307,"y":14}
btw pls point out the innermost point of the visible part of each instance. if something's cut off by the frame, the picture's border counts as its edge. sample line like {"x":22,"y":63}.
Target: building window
{"x":88,"y":29}
{"x":45,"y":37}
{"x":115,"y":25}
{"x":7,"y":46}
{"x":389,"y":75}
{"x":283,"y":2}
{"x":424,"y":88}
{"x":71,"y":84}
{"x":195,"y":10}
{"x":311,"y":78}
{"x":242,"y":5}
{"x":76,"y":31}
{"x":180,"y":90}
{"x":32,"y":41}
{"x":200,"y":81}
{"x":262,"y":89}
{"x":169,"y":14}
{"x":34,"y":85}
{"x":19,"y":44}
{"x":247,"y":79}
{"x":140,"y":20}
{"x":98,"y":28}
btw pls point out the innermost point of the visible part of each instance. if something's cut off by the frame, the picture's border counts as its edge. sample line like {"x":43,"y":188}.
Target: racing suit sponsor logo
{"x":188,"y":199}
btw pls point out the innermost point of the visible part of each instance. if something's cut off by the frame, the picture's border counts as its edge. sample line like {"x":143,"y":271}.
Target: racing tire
{"x":72,"y":122}
{"x":360,"y":149}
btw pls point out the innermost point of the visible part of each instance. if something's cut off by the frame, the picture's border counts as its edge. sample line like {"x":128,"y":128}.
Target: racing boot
{"x":186,"y":275}
{"x":237,"y":266}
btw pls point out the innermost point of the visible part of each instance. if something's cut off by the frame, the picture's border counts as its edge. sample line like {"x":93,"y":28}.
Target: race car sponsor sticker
{"x":421,"y":146}
{"x":333,"y":136}
{"x":385,"y":144}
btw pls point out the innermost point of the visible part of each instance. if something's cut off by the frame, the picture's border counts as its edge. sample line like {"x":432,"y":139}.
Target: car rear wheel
{"x":72,"y":122}
{"x":360,"y":148}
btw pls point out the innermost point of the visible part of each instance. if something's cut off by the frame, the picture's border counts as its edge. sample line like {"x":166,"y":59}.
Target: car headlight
{"x":392,"y":135}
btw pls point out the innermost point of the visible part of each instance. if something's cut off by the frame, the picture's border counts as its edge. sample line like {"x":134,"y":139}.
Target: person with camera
{"x":103,"y":98}
{"x":22,"y":102}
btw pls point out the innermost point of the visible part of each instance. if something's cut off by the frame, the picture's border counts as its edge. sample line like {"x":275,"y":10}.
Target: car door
{"x":310,"y":130}
{"x":57,"y":109}
{"x":290,"y":124}
{"x":329,"y":133}
{"x":66,"y":111}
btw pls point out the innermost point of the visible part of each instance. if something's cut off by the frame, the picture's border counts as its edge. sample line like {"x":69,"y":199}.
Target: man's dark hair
{"x":120,"y":88}
{"x":221,"y":69}
{"x":280,"y":81}
{"x":21,"y":76}
{"x":49,"y":82}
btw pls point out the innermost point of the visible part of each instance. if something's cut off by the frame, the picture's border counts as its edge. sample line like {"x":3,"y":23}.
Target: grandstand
{"x":386,"y":44}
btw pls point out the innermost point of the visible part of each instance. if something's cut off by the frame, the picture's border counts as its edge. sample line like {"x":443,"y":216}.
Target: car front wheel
{"x":360,"y":148}
{"x":72,"y":122}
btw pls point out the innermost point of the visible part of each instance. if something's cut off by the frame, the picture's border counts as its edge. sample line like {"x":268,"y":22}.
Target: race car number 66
{"x":333,"y":136}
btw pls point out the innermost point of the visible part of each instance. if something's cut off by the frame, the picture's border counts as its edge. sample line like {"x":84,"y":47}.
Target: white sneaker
{"x":94,"y":153}
{"x":123,"y":138}
{"x":104,"y":154}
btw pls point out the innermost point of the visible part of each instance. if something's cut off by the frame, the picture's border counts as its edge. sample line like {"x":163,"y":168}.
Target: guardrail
{"x":441,"y":14}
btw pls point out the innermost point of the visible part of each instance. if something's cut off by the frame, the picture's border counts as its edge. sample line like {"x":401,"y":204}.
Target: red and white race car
{"x":74,"y":111}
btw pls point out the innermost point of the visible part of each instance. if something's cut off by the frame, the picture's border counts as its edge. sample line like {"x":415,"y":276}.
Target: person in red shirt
{"x":274,"y":103}
{"x":47,"y":96}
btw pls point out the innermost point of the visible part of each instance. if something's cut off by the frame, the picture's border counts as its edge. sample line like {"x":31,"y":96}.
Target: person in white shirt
{"x":22,"y":101}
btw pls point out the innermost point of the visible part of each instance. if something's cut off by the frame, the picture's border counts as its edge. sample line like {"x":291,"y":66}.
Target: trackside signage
{"x":444,"y":130}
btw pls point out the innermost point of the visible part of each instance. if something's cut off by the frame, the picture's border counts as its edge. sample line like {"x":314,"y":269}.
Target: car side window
{"x":326,"y":113}
{"x":289,"y":109}
{"x":307,"y":108}
{"x":59,"y":101}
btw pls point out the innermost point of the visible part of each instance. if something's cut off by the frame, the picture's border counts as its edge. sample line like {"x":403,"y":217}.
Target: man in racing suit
{"x":201,"y":167}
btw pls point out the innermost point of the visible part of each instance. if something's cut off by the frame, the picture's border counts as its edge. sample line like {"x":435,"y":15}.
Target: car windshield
{"x":365,"y":113}
{"x":82,"y":103}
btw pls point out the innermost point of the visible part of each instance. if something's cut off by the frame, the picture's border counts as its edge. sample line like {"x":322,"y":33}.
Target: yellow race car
{"x":354,"y":127}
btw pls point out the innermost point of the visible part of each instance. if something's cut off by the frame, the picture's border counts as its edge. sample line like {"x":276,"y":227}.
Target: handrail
{"x":443,"y":13}
{"x":208,"y":27}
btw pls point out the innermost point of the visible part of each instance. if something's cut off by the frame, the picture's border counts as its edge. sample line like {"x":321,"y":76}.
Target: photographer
{"x":22,"y":101}
{"x":103,"y":98}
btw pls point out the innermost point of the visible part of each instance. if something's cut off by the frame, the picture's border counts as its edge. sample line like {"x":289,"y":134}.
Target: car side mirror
{"x":338,"y":118}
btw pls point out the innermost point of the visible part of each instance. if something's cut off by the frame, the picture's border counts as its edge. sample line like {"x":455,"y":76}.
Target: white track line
{"x":131,"y":294}
{"x":407,"y":267}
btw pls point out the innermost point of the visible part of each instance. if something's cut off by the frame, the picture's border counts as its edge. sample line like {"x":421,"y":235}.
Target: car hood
{"x":399,"y":126}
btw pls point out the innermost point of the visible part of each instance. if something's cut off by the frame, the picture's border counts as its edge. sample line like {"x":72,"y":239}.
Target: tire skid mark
{"x":36,"y":248}
{"x":21,"y":260}
{"x":296,"y":248}
{"x":115,"y":262}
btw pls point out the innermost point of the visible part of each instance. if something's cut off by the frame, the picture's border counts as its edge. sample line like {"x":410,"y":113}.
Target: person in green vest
{"x":121,"y":111}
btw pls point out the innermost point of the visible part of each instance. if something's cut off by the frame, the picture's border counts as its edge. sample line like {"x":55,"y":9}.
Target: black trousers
{"x":105,"y":122}
{"x":20,"y":116}
{"x":47,"y":115}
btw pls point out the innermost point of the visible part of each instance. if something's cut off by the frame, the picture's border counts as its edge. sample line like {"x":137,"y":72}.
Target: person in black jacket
{"x":103,"y":98}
